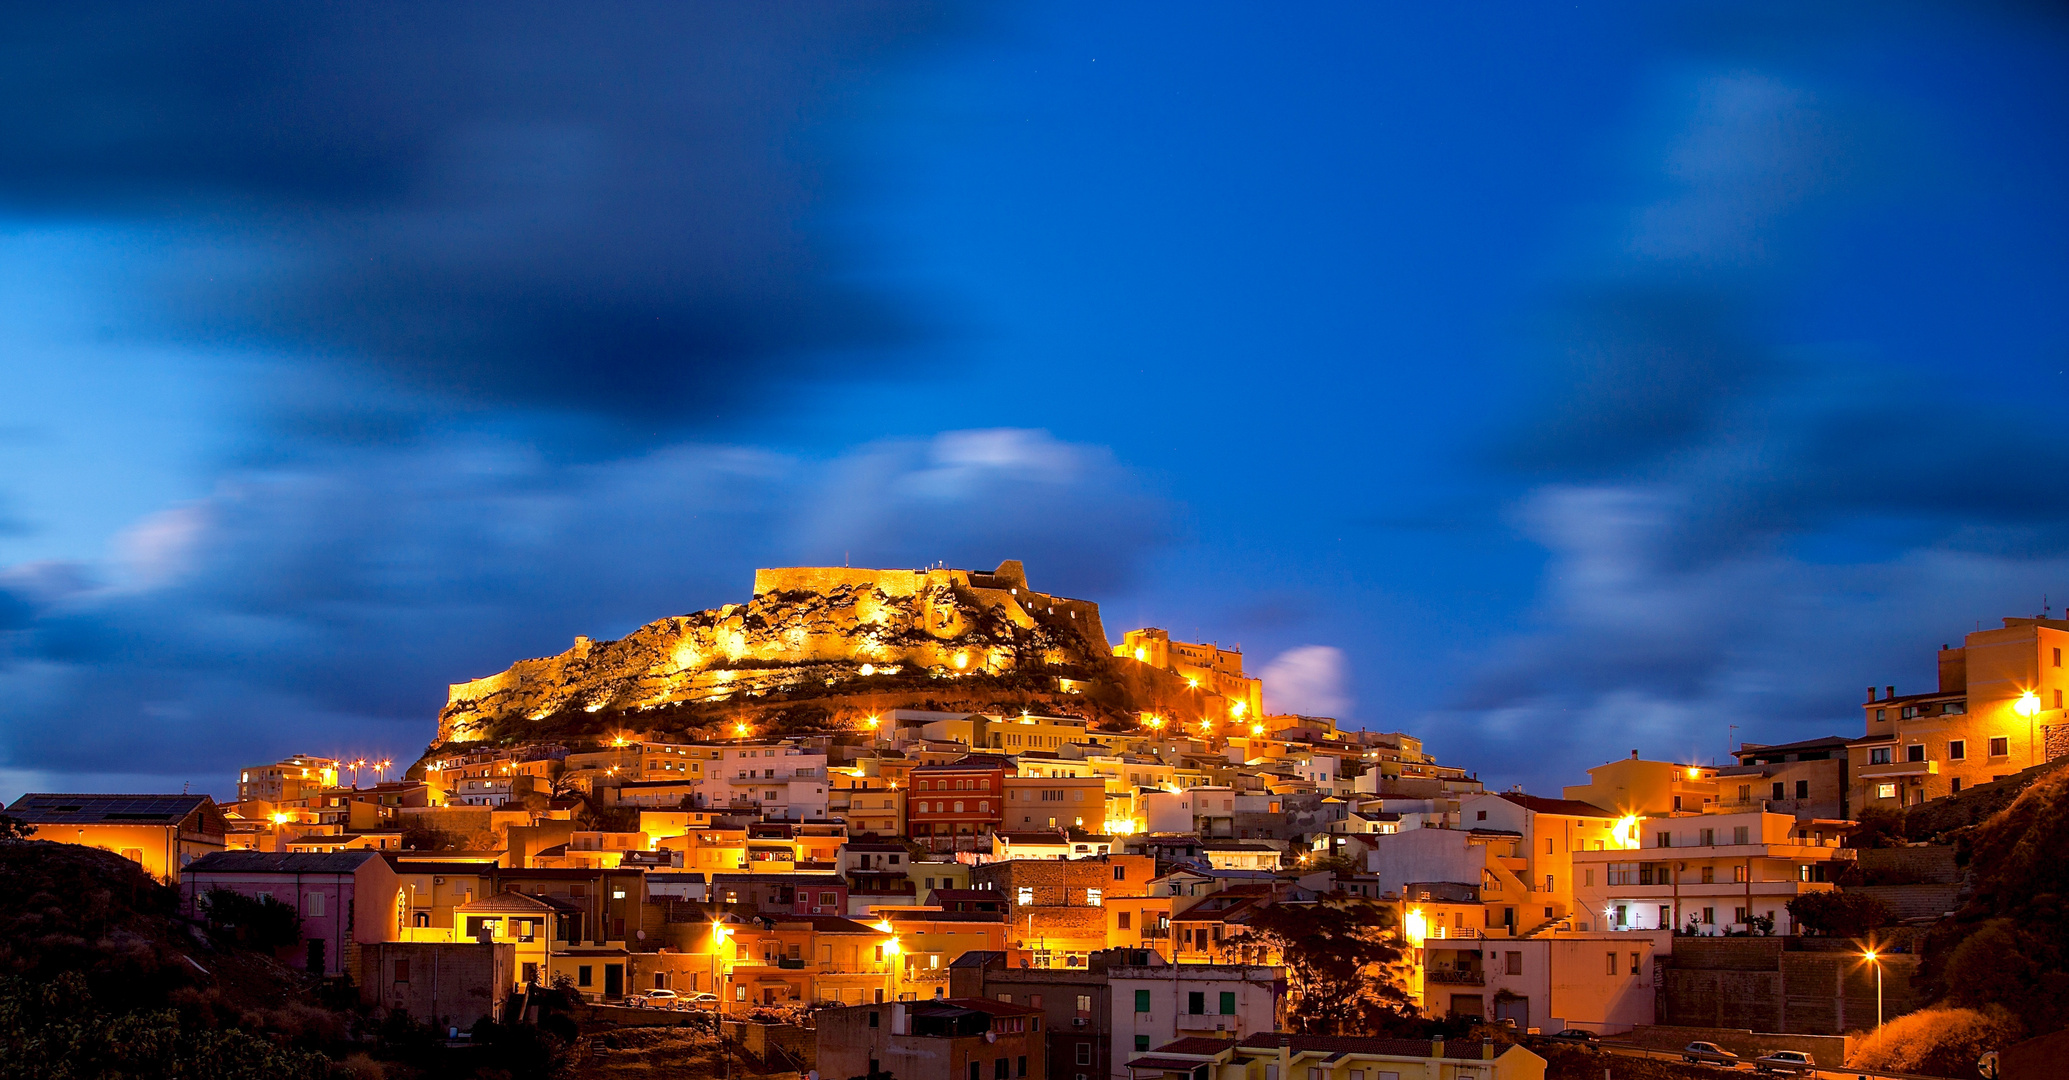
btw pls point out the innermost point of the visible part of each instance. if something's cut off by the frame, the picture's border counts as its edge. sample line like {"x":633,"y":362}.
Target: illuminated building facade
{"x":2000,"y":708}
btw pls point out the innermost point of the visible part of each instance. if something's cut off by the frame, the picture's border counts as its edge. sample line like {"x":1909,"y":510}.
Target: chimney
{"x":1634,"y":754}
{"x":1436,"y":1048}
{"x":1871,"y":693}
{"x":1892,"y":691}
{"x":1487,"y":1049}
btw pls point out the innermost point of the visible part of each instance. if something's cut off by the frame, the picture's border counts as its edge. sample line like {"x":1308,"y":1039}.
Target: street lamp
{"x":891,"y":951}
{"x":718,"y":941}
{"x":1876,"y":962}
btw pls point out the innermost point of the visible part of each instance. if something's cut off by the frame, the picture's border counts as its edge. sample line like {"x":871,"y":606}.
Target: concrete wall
{"x":1762,"y":984}
{"x":1830,"y":1050}
{"x":446,"y":985}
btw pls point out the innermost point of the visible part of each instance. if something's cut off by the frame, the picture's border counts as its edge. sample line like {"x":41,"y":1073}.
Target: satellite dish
{"x":991,"y":1036}
{"x":640,"y":934}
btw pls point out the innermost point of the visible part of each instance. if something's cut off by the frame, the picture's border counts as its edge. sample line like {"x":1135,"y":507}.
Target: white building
{"x":783,"y":782}
{"x":1711,"y":872}
{"x":1156,"y":1004}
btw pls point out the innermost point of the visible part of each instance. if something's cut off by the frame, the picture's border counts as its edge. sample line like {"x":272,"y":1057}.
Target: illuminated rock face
{"x":805,"y":627}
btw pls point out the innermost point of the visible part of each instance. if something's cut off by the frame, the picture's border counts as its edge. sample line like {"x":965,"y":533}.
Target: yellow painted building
{"x":161,"y":833}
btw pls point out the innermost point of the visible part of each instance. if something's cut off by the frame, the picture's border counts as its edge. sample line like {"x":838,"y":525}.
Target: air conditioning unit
{"x":438,"y":881}
{"x":1079,"y":1021}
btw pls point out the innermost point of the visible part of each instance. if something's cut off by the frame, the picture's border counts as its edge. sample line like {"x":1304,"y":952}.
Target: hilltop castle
{"x":804,"y":627}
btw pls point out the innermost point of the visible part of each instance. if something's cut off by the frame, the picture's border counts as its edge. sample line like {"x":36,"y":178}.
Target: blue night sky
{"x":1544,"y":382}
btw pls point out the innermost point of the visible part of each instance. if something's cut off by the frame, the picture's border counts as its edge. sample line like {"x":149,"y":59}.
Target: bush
{"x":1839,"y":914}
{"x":1937,"y":1042}
{"x":55,"y":1030}
{"x":258,"y":923}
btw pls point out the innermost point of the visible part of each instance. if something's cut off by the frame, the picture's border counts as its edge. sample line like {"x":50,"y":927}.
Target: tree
{"x":1342,"y":965}
{"x":14,"y":828}
{"x":260,"y":923}
{"x":1832,"y":913}
{"x":1937,"y":1042}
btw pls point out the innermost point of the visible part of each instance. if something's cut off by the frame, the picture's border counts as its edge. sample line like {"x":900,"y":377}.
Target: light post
{"x":2028,"y":706}
{"x":1876,"y":962}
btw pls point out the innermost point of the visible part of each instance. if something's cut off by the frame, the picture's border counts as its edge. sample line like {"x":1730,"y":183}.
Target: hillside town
{"x":947,"y":894}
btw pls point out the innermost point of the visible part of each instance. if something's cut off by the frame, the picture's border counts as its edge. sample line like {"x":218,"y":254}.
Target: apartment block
{"x":1710,"y":872}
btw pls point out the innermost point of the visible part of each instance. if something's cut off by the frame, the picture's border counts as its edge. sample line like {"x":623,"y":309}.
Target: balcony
{"x":1900,"y":768}
{"x":1455,"y":978}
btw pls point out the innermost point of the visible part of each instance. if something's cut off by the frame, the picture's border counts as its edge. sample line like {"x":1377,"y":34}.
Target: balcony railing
{"x":1455,"y":978}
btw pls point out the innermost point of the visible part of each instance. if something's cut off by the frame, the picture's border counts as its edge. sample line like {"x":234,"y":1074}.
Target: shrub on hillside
{"x":1839,"y":914}
{"x":2009,"y":945}
{"x":56,"y":1031}
{"x":1937,"y":1042}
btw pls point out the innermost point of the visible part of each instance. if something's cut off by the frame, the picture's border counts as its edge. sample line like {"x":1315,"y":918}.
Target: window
{"x":1084,"y":1053}
{"x":1196,"y":1003}
{"x":585,"y":975}
{"x":1092,"y":897}
{"x":1708,"y":838}
{"x":1548,"y":884}
{"x":1662,"y":839}
{"x":1483,"y":816}
{"x":1885,"y":791}
{"x":1612,"y":964}
{"x":1914,"y":752}
{"x":1002,"y":1069}
{"x":1122,"y":920}
{"x":1745,"y":793}
{"x":1548,"y":845}
{"x":976,"y":1071}
{"x":1957,"y":750}
{"x":1024,"y":894}
{"x":873,"y":1014}
{"x":1777,"y":789}
{"x":2058,"y":699}
{"x":1709,"y":875}
{"x":1803,"y":789}
{"x":1142,"y":1004}
{"x":1738,"y":875}
{"x":1588,"y":877}
{"x":1120,"y":873}
{"x":1514,"y":960}
{"x":1228,"y":1003}
{"x":2058,"y":658}
{"x":1634,"y":963}
{"x":1741,"y":834}
{"x":1954,"y":786}
{"x":402,"y":971}
{"x":1710,"y":916}
{"x":314,"y":904}
{"x":2000,"y":747}
{"x":1878,"y":755}
{"x":1141,"y":1042}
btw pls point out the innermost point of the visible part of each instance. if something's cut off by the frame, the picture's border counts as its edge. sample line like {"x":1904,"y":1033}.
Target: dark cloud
{"x":295,"y":609}
{"x":613,"y":208}
{"x":1746,"y":522}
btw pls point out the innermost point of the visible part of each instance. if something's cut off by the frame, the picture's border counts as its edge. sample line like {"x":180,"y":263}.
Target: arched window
{"x":959,"y":808}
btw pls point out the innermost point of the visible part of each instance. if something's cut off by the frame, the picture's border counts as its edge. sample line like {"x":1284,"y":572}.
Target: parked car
{"x":1785,"y":1063}
{"x":1709,"y":1053}
{"x":654,"y":999}
{"x":1578,"y":1035}
{"x":702,"y":1001}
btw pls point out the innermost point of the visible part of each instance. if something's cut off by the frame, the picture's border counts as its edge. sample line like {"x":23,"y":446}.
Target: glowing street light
{"x":1876,"y":962}
{"x":2028,"y":704}
{"x":741,"y":729}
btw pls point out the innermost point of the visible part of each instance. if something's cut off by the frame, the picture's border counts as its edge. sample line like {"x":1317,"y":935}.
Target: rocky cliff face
{"x":805,"y":628}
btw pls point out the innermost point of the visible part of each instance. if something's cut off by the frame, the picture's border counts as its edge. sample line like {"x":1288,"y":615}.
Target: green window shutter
{"x":1228,"y":1003}
{"x":1142,"y":1001}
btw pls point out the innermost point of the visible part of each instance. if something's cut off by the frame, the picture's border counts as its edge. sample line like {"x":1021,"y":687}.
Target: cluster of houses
{"x":1043,"y":897}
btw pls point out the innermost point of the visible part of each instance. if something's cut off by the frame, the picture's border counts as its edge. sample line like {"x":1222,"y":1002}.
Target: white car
{"x":654,"y":999}
{"x":1789,"y":1062}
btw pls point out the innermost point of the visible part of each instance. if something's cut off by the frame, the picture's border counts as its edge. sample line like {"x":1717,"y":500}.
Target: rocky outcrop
{"x":804,"y":628}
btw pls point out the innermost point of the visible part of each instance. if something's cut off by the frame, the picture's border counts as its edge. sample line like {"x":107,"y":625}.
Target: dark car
{"x":1578,"y":1035}
{"x":1709,"y":1053}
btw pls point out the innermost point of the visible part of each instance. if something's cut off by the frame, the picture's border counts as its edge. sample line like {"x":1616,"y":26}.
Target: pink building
{"x":345,"y":898}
